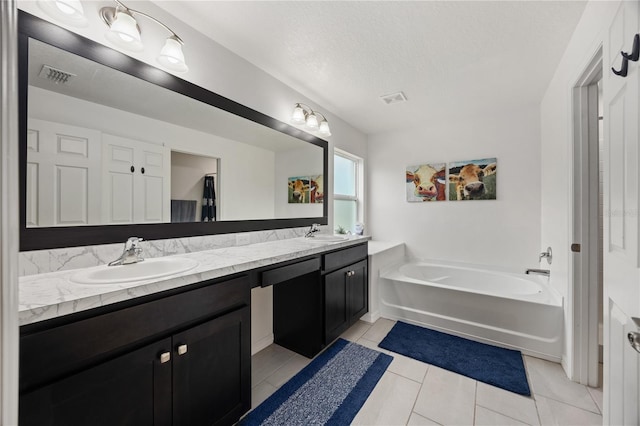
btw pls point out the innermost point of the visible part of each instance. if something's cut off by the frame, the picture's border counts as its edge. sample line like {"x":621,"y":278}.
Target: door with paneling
{"x":136,"y":187}
{"x":621,"y":97}
{"x":63,"y":175}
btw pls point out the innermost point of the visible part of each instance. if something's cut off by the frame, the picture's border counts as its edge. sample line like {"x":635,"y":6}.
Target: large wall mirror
{"x":112,"y":147}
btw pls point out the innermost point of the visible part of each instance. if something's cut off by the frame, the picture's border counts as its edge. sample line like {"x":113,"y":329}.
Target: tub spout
{"x":544,"y":272}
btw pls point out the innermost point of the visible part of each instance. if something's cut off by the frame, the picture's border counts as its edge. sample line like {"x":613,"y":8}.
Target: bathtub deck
{"x":415,"y":393}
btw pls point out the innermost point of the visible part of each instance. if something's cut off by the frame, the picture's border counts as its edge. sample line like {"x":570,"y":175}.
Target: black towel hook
{"x":635,"y":53}
{"x":624,"y":69}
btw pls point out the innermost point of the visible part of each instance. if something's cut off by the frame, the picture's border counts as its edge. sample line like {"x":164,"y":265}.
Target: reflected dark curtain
{"x":209,"y":200}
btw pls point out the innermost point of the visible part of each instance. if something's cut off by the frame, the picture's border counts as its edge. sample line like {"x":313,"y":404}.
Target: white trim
{"x":9,"y":199}
{"x":584,"y":266}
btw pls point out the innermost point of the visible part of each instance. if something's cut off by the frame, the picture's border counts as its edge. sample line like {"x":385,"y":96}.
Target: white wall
{"x":503,"y":232}
{"x":557,"y":143}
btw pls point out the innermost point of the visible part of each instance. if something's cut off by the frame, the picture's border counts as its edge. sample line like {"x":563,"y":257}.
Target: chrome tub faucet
{"x":132,"y":252}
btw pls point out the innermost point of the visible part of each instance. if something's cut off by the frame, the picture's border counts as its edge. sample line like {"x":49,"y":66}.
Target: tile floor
{"x":414,"y":393}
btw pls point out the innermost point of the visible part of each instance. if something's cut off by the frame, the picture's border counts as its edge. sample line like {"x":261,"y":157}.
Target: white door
{"x":621,"y":221}
{"x":136,"y":185}
{"x":63,"y":174}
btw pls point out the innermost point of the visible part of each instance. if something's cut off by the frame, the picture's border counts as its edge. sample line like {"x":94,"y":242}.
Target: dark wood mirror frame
{"x":30,"y":26}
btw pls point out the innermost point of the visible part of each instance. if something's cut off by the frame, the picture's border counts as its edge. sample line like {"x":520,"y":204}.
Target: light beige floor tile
{"x":289,"y":369}
{"x":356,"y":331}
{"x":373,"y":345}
{"x":418,"y":420}
{"x":486,"y":417}
{"x":408,"y":367}
{"x":557,"y":413}
{"x":549,"y":380}
{"x":447,"y":398}
{"x":597,"y":395}
{"x":379,"y":330}
{"x":260,"y":392}
{"x":390,"y":402}
{"x":267,"y":361}
{"x":507,"y":403}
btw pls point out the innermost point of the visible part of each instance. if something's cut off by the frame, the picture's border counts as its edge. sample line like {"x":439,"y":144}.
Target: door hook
{"x":635,"y":53}
{"x":624,"y":69}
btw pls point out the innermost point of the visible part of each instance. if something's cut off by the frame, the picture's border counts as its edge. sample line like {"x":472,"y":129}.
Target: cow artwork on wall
{"x":426,"y":182}
{"x":299,"y":190}
{"x":473,"y":180}
{"x":306,"y":190}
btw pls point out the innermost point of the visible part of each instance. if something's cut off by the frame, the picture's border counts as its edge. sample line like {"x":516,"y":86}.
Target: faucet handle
{"x":132,"y":243}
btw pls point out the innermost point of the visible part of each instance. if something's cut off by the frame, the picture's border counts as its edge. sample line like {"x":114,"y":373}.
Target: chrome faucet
{"x":131,"y":253}
{"x":546,"y":255}
{"x":314,"y":228}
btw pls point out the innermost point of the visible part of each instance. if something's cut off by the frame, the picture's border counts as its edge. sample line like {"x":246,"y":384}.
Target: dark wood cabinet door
{"x":335,"y":304}
{"x":133,"y":389}
{"x":358,"y":290}
{"x":212,"y":371}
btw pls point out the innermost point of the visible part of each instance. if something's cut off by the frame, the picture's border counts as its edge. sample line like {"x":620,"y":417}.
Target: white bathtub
{"x":517,"y":311}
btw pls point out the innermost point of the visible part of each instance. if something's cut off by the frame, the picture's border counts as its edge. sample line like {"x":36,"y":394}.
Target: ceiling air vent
{"x":393,"y":98}
{"x":55,"y":75}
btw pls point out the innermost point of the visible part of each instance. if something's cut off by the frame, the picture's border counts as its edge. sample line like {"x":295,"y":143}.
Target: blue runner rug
{"x":330,"y":390}
{"x":496,"y":366}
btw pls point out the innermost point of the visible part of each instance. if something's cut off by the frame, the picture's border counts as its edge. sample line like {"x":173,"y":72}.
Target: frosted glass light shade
{"x":171,"y":56}
{"x":298,"y":115}
{"x":67,"y":11}
{"x":312,"y":121}
{"x":324,"y":128}
{"x":124,"y":32}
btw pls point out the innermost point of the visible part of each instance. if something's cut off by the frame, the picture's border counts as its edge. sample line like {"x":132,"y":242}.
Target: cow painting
{"x":473,"y":180}
{"x":299,"y":188}
{"x":316,"y":190}
{"x":426,"y":182}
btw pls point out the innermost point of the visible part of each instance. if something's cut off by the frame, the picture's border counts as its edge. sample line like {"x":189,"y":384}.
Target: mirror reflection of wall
{"x":101,"y":148}
{"x":188,"y":174}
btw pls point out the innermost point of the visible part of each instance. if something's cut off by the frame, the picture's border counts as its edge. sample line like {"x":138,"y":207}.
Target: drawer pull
{"x":165,"y":357}
{"x":351,"y":273}
{"x":182,"y":349}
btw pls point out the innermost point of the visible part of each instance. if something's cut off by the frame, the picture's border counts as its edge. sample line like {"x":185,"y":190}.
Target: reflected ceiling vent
{"x":55,"y":75}
{"x":393,"y":98}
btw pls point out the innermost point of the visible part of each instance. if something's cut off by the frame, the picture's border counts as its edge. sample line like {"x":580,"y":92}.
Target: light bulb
{"x":67,"y":11}
{"x":298,"y":115}
{"x":312,"y":121}
{"x":171,"y":56}
{"x":124,"y":32}
{"x":324,"y":128}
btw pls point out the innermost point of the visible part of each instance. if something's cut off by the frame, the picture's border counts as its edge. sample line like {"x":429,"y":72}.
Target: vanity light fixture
{"x":67,"y":11}
{"x":124,"y":32}
{"x":302,"y":114}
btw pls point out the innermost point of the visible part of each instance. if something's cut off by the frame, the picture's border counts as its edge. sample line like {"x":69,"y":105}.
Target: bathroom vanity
{"x":177,"y":350}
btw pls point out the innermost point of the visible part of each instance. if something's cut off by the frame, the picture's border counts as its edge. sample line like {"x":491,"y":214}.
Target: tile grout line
{"x":506,"y":415}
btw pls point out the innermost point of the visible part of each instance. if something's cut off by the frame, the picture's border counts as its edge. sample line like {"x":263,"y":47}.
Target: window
{"x":347,"y":199}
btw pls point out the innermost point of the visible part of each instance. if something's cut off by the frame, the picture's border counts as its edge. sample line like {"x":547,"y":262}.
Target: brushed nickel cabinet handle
{"x":182,"y":349}
{"x":165,"y":357}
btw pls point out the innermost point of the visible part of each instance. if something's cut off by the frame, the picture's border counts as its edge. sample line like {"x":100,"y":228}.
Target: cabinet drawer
{"x":285,"y":273}
{"x":54,"y":352}
{"x":341,"y":258}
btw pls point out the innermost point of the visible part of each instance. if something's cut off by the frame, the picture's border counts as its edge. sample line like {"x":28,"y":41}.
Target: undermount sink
{"x":326,"y":238}
{"x":145,"y":270}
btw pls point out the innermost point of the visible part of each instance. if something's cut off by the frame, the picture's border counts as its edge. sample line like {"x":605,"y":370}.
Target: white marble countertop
{"x":50,"y":295}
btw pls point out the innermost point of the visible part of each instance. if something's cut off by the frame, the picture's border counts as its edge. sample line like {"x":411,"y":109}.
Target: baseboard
{"x":370,"y":317}
{"x":261,"y":344}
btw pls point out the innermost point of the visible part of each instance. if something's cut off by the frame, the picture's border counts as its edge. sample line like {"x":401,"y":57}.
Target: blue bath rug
{"x":329,"y":391}
{"x":496,"y":366}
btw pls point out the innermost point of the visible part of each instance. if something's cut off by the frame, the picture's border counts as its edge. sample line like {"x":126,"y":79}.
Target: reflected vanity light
{"x":124,"y":32}
{"x":69,"y":12}
{"x":302,"y":114}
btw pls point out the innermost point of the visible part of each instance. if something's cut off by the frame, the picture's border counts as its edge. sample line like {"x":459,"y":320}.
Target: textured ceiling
{"x":450,"y":58}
